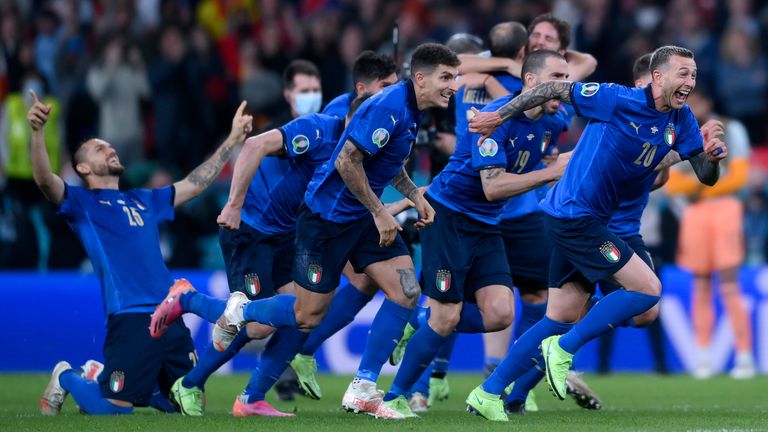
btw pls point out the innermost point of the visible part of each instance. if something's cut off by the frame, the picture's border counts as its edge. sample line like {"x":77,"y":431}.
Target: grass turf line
{"x":631,"y":403}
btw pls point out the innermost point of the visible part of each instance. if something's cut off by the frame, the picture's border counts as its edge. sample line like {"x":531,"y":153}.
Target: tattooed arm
{"x":349,"y":164}
{"x":485,"y":123}
{"x":499,"y":184}
{"x":405,"y":186}
{"x":707,"y":171}
{"x":201,"y":177}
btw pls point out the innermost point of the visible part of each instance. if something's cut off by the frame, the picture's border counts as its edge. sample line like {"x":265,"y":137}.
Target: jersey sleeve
{"x":161,"y":201}
{"x":301,"y":134}
{"x":690,"y":142}
{"x":72,"y":207}
{"x":593,"y":100}
{"x":372,"y":127}
{"x":491,"y":153}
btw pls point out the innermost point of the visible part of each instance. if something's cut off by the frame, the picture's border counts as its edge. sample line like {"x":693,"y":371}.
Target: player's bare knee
{"x":648,"y":317}
{"x":307,"y":320}
{"x":258,"y":331}
{"x":498,"y":316}
{"x":444,"y":317}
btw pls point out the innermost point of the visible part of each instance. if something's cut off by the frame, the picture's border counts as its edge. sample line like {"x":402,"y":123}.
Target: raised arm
{"x":254,"y":151}
{"x":474,"y":63}
{"x":580,"y":65}
{"x":499,"y":184}
{"x":485,"y":123}
{"x":201,"y":177}
{"x":349,"y":164}
{"x":49,"y":183}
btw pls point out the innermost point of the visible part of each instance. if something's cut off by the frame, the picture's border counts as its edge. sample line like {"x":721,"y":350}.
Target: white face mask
{"x":308,"y":103}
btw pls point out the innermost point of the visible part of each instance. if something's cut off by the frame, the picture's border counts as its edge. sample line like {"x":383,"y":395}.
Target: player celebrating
{"x":344,"y":220}
{"x":610,"y":165}
{"x":119,"y":231}
{"x":465,"y":271}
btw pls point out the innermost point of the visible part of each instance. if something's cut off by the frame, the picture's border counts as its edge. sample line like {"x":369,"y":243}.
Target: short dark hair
{"x":356,"y":102}
{"x":563,"y":28}
{"x":662,"y":55}
{"x":465,"y":43}
{"x":642,"y":66}
{"x":369,"y":67}
{"x":507,"y":39}
{"x":298,"y":67}
{"x":534,"y":62}
{"x":78,"y":155}
{"x":428,"y":56}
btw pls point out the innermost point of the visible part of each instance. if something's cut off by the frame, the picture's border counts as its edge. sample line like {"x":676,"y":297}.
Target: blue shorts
{"x":257,"y":264}
{"x":460,"y":255}
{"x":528,"y":251}
{"x":583,"y":250}
{"x":135,"y":362}
{"x":323,"y":248}
{"x":638,"y":245}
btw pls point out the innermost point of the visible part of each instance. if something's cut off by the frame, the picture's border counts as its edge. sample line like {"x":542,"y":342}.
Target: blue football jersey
{"x":276,"y":191}
{"x":517,"y":146}
{"x":383,"y":128}
{"x":468,"y":98}
{"x":119,"y":230}
{"x":339,"y":106}
{"x":625,"y":221}
{"x":625,"y":139}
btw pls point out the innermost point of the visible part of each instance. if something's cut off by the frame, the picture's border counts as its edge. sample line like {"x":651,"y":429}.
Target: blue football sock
{"x":471,"y":320}
{"x":161,"y":403}
{"x":493,"y":362}
{"x":522,"y":355}
{"x":418,"y":354}
{"x":612,"y":311}
{"x":530,"y":314}
{"x":347,"y":302}
{"x":281,"y":349}
{"x":419,"y":317}
{"x":527,"y":382}
{"x":422,"y":385}
{"x":443,"y":356}
{"x":386,"y":330}
{"x":212,"y":360}
{"x":276,"y":311}
{"x":206,"y":307}
{"x":87,"y":394}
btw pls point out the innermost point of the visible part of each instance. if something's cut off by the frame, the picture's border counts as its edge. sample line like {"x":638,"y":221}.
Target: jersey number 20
{"x":646,"y":156}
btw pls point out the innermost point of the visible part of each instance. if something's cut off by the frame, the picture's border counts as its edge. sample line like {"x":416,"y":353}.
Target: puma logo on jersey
{"x":636,"y":126}
{"x":317,"y":131}
{"x":394,"y":120}
{"x":512,"y":141}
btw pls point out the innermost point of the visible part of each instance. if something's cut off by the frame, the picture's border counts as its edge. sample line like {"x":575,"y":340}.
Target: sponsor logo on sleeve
{"x":489,"y":147}
{"x":380,"y":137}
{"x":589,"y":89}
{"x":300,"y":144}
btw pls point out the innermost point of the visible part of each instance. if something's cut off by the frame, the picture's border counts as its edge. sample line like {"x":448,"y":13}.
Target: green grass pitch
{"x":632,"y":403}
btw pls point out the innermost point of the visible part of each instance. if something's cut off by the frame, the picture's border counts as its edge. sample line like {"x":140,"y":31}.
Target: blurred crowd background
{"x":178,"y":69}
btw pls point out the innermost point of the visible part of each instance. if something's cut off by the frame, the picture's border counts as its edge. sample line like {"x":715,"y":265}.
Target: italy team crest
{"x":669,"y":134}
{"x":545,"y":140}
{"x":300,"y":144}
{"x":117,"y":381}
{"x":252,"y":285}
{"x":443,"y":280}
{"x":610,"y":252}
{"x":489,"y":147}
{"x":314,"y":273}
